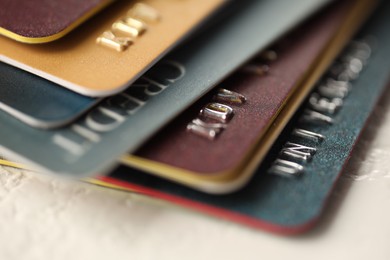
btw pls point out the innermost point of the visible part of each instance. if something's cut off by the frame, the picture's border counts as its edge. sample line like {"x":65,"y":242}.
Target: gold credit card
{"x":216,"y":145}
{"x":42,"y":21}
{"x":106,"y":54}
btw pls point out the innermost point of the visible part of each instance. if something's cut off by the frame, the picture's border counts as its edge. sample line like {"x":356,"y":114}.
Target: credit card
{"x":272,"y":201}
{"x":216,"y":145}
{"x":106,"y":54}
{"x":123,"y":122}
{"x":291,"y":205}
{"x":38,"y":102}
{"x":43,"y":21}
{"x":283,"y":205}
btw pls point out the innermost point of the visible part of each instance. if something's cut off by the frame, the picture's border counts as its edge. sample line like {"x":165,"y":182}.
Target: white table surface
{"x":42,"y":217}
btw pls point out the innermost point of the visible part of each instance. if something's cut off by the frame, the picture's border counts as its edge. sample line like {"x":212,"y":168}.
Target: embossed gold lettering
{"x":110,"y":40}
{"x":131,"y":26}
{"x":144,"y":12}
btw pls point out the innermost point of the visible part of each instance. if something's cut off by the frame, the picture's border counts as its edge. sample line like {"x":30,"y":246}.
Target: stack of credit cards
{"x":246,"y":110}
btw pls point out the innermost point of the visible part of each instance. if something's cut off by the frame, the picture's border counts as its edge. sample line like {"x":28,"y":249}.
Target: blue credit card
{"x":123,"y":122}
{"x":38,"y":102}
{"x":291,"y":187}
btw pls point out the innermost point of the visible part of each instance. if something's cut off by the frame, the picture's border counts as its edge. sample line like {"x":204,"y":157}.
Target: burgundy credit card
{"x":44,"y":20}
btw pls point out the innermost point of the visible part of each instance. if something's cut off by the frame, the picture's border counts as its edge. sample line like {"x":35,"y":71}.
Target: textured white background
{"x":46,"y":218}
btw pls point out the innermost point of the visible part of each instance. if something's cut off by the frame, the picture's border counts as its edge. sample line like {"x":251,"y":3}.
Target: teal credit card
{"x":291,"y":187}
{"x":38,"y":102}
{"x":122,"y":123}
